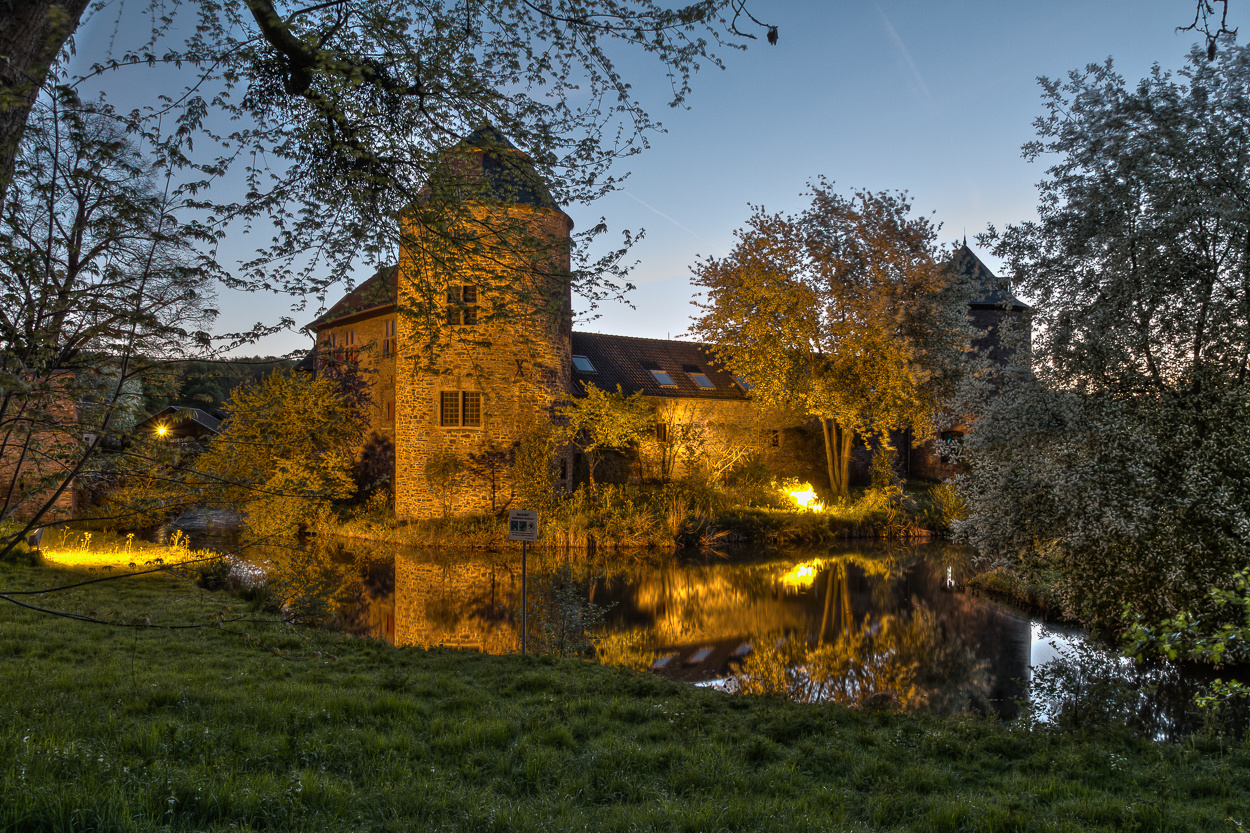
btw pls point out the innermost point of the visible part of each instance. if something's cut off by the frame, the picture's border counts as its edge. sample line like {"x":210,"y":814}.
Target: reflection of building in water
{"x":701,"y":621}
{"x":370,"y":608}
{"x":696,"y":622}
{"x":461,"y":604}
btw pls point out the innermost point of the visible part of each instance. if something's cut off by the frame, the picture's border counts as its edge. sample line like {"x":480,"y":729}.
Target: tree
{"x":102,"y":283}
{"x":349,"y":106}
{"x":490,"y":464}
{"x":602,"y":421}
{"x":284,"y":455}
{"x":843,"y":312}
{"x":1120,"y":461}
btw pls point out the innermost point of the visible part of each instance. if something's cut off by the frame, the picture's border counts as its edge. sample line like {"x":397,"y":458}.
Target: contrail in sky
{"x":652,"y":208}
{"x":902,"y":47}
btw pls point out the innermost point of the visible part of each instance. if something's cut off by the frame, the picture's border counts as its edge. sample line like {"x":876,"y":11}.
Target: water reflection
{"x":858,"y":625}
{"x":861,"y":622}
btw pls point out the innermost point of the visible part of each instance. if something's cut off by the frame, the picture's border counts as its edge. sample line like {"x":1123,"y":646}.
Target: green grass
{"x":106,"y":728}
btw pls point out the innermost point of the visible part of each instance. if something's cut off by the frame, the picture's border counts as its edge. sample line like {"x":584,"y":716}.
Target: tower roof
{"x":988,"y":291}
{"x":486,"y":167}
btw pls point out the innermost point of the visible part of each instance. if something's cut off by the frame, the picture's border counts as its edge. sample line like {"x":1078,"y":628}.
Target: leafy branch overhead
{"x":334,"y":115}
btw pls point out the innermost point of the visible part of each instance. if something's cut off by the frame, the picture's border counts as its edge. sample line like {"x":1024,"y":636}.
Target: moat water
{"x":859,"y":623}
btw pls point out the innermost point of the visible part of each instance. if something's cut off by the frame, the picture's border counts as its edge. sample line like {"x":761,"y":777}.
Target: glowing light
{"x":162,"y":430}
{"x":77,"y":551}
{"x":801,"y":575}
{"x":804,"y":497}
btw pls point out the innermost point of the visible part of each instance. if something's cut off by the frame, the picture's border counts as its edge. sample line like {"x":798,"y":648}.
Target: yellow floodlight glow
{"x":162,"y":430}
{"x":804,"y":497}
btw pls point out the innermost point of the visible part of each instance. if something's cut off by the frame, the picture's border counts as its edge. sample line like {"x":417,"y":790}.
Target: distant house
{"x":179,"y":422}
{"x":488,"y":377}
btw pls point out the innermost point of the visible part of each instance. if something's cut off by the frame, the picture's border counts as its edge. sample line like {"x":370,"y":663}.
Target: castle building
{"x":467,"y":343}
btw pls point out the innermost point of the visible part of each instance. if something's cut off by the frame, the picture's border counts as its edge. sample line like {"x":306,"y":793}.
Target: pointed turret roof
{"x":988,"y":291}
{"x":486,"y":167}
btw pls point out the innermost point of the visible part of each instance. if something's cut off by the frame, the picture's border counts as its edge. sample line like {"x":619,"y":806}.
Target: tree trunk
{"x":32,"y":33}
{"x":838,"y":441}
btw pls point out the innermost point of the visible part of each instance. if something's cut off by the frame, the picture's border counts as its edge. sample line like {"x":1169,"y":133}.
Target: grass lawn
{"x":111,"y":728}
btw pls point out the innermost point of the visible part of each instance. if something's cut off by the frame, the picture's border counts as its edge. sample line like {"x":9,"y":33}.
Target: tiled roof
{"x":487,"y":168}
{"x":377,"y":292}
{"x":988,"y":290}
{"x":625,"y":361}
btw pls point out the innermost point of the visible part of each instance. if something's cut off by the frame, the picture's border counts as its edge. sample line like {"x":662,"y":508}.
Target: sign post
{"x":523,"y":527}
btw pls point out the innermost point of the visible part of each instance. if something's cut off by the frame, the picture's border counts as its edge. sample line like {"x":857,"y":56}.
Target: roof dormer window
{"x":699,"y":377}
{"x":583,"y":365}
{"x":661,"y":376}
{"x":742,"y":383}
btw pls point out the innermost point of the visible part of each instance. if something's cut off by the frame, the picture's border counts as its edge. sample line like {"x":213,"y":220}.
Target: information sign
{"x":522,"y":525}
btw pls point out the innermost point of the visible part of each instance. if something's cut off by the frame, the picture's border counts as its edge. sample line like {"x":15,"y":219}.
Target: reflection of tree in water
{"x":906,"y":658}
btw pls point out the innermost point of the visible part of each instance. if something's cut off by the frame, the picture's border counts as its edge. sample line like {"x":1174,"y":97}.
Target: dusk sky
{"x":935,"y":98}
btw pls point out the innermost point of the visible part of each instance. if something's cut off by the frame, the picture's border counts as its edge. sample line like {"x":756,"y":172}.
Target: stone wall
{"x":41,"y":442}
{"x":515,"y":360}
{"x":369,"y":341}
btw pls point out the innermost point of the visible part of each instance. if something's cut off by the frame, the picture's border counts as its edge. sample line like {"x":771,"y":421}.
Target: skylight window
{"x":663,"y":378}
{"x":699,"y":377}
{"x":742,"y":383}
{"x":583,"y":365}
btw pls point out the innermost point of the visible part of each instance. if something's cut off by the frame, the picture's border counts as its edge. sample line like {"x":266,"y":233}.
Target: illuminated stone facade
{"x":490,"y":379}
{"x":468,"y":342}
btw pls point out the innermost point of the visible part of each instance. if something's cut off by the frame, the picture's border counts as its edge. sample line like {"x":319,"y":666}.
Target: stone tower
{"x":484,"y":325}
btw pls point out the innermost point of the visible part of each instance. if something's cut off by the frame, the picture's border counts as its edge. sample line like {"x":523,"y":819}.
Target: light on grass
{"x":74,"y":550}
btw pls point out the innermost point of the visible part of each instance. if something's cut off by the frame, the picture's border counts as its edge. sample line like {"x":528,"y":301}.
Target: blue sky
{"x":931,"y":97}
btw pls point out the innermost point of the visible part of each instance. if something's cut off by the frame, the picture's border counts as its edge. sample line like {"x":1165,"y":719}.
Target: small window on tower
{"x":471,"y":410}
{"x":462,"y":305}
{"x":449,"y":409}
{"x":460,"y":409}
{"x":661,"y":431}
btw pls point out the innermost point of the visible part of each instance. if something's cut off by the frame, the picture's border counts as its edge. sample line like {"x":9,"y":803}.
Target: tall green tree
{"x":843,"y":312}
{"x":603,"y":421}
{"x":285,"y":452}
{"x":1120,"y":460}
